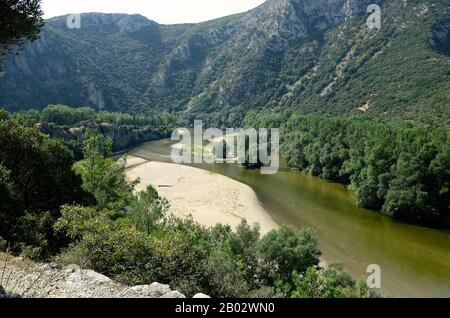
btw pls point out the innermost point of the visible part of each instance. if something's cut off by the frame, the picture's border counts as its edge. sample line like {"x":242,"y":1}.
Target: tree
{"x":36,"y":178}
{"x":3,"y":114}
{"x":440,"y":170}
{"x":286,"y":250}
{"x":102,"y":176}
{"x":332,"y":282}
{"x":40,"y":168}
{"x":8,"y":204}
{"x":20,"y":20}
{"x":147,"y":208}
{"x":223,"y":276}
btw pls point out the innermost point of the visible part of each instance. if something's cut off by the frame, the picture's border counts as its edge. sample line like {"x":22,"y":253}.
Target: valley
{"x":358,"y":117}
{"x":413,"y":259}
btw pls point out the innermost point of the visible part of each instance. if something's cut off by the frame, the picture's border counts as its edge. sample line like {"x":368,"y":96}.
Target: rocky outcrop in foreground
{"x":28,"y":280}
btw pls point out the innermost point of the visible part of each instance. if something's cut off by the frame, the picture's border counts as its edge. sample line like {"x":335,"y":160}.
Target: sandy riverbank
{"x":209,"y":197}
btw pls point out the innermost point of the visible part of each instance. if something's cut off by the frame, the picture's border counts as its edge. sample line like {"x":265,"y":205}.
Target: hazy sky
{"x":162,"y":11}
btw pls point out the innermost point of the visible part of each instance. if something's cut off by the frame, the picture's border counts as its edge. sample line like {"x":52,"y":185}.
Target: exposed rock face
{"x":299,"y":19}
{"x":154,"y":290}
{"x":95,"y":96}
{"x":123,"y":137}
{"x":47,"y":281}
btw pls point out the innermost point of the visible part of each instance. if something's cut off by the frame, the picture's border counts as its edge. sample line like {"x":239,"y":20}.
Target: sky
{"x":161,"y":11}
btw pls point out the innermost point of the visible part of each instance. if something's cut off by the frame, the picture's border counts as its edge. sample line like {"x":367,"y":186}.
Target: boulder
{"x":201,"y":295}
{"x":174,"y":294}
{"x":154,"y":290}
{"x":96,"y":278}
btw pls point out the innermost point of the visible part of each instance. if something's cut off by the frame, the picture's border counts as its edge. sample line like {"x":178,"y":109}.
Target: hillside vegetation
{"x":308,"y":56}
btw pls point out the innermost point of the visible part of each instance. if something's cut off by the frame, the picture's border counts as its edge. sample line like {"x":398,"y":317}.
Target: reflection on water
{"x":415,"y":261}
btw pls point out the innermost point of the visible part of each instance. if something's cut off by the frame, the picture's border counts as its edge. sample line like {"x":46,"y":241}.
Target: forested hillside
{"x":309,"y":56}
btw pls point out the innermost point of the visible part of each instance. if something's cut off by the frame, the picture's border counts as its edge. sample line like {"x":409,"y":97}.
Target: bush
{"x":332,"y":282}
{"x":287,"y":250}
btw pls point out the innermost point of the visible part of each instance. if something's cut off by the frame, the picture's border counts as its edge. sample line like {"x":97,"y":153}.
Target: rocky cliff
{"x":123,"y":137}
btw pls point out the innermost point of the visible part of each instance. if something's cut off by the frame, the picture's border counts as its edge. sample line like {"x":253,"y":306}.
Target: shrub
{"x":286,"y":250}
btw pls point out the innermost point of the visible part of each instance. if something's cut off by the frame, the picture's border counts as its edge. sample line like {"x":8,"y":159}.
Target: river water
{"x":414,"y":260}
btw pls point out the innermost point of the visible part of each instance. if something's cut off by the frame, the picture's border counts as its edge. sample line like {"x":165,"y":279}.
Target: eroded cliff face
{"x":123,"y":137}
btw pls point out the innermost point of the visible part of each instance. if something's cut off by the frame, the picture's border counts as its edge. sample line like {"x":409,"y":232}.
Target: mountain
{"x":310,"y":56}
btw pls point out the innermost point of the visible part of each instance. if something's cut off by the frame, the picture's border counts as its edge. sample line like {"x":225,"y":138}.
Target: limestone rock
{"x":154,"y":290}
{"x":174,"y":294}
{"x":201,"y":295}
{"x":96,"y":278}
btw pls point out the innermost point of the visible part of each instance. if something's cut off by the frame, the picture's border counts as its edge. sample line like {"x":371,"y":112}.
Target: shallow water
{"x":415,"y":261}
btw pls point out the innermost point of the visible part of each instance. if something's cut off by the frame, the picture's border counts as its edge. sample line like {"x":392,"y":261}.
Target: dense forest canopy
{"x":63,"y":115}
{"x":401,"y":168}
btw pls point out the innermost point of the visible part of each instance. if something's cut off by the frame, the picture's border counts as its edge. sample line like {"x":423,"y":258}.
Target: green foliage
{"x":288,"y":250}
{"x":67,"y":123}
{"x":3,"y":114}
{"x":147,"y":209}
{"x":102,"y":176}
{"x":8,"y":203}
{"x":332,"y":282}
{"x":36,"y":178}
{"x":178,"y":68}
{"x":20,"y":20}
{"x":132,"y":239}
{"x":27,"y":117}
{"x":64,"y":115}
{"x":400,"y":168}
{"x":40,"y":167}
{"x":181,"y":253}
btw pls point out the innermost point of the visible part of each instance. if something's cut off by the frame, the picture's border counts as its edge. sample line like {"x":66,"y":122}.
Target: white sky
{"x":161,"y":11}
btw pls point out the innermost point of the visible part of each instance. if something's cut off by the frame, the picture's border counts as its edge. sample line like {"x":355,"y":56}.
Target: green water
{"x":415,"y":261}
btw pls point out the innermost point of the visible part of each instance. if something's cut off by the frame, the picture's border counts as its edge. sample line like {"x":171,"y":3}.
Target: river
{"x":414,"y":260}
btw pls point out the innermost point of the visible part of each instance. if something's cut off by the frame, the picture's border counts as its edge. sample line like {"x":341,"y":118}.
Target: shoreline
{"x":208,"y":197}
